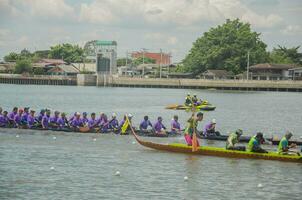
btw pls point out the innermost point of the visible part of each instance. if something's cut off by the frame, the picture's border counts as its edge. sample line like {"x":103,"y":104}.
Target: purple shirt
{"x":206,"y":128}
{"x":92,"y":123}
{"x":3,"y":120}
{"x":53,"y":119}
{"x":144,"y":124}
{"x":45,"y":121}
{"x":175,"y":125}
{"x":11,"y":115}
{"x":17,"y":119}
{"x":61,"y":122}
{"x":84,"y":120}
{"x":158,"y":126}
{"x":39,"y":118}
{"x":24,"y":117}
{"x":30,"y":121}
{"x":76,"y":122}
{"x":113,"y":123}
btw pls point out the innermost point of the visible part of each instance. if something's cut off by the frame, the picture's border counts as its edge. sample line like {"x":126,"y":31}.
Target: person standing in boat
{"x":143,"y":126}
{"x":233,"y":139}
{"x":191,"y":127}
{"x":283,"y":147}
{"x":254,"y":144}
{"x":113,"y":123}
{"x":159,"y":127}
{"x":12,"y":115}
{"x":45,"y":120}
{"x":4,"y":121}
{"x":175,"y":126}
{"x":31,"y":123}
{"x":210,"y":129}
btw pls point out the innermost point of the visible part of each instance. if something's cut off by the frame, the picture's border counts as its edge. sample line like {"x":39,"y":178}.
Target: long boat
{"x":207,"y":107}
{"x":216,"y":151}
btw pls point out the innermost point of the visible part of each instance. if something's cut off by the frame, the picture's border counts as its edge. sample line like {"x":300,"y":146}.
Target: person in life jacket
{"x":188,"y":100}
{"x":283,"y":147}
{"x":254,"y":144}
{"x":233,"y":139}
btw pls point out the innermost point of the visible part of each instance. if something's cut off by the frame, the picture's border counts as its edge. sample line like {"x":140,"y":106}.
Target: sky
{"x":170,"y":25}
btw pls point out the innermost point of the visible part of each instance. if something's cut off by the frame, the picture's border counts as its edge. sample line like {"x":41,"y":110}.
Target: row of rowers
{"x":25,"y":118}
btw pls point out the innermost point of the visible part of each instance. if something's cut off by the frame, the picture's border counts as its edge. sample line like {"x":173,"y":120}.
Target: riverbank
{"x":115,"y":81}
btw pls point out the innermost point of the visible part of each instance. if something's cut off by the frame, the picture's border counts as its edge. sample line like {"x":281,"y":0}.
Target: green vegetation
{"x":68,"y":52}
{"x":226,"y":47}
{"x":285,"y":55}
{"x":23,"y":66}
{"x":142,"y":60}
{"x":122,"y":61}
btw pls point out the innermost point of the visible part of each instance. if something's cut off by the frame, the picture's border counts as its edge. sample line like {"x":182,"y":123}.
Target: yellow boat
{"x":216,"y":151}
{"x":205,"y":107}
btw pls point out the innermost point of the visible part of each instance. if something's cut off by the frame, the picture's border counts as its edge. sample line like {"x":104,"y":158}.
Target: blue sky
{"x":172,"y":25}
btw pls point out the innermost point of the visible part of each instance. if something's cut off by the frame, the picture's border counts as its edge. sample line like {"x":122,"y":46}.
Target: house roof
{"x":217,"y":72}
{"x":297,"y":68}
{"x":272,"y":66}
{"x":65,"y":68}
{"x":52,"y":61}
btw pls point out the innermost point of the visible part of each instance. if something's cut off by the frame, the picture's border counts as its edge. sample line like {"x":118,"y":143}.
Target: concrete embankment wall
{"x":295,"y":86}
{"x":37,"y":80}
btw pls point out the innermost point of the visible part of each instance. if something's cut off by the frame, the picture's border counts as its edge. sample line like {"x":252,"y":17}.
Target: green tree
{"x":122,"y":61}
{"x":11,"y":57}
{"x":285,"y":55}
{"x":68,"y":52}
{"x":141,"y":60}
{"x":226,"y":47}
{"x":23,"y":66}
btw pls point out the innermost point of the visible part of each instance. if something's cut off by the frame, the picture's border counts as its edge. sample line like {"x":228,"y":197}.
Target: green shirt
{"x":283,"y":144}
{"x":232,"y":140}
{"x":191,"y":126}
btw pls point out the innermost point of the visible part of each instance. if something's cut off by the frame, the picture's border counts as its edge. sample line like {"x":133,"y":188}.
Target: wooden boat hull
{"x":220,"y":152}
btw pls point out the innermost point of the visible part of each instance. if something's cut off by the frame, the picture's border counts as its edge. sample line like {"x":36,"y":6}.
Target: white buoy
{"x":117,"y":173}
{"x":133,"y":142}
{"x":17,"y":136}
{"x":259,"y":185}
{"x":54,"y":137}
{"x":94,"y":139}
{"x":186,"y":178}
{"x":52,"y":168}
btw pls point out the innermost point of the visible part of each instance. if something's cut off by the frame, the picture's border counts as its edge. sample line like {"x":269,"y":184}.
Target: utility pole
{"x":126,"y":58}
{"x":248,"y":65}
{"x":161,"y":59}
{"x":143,"y":51}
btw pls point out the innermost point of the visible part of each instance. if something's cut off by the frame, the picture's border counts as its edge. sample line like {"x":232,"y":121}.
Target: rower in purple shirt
{"x":104,"y":124}
{"x":24,"y":116}
{"x":113,"y":124}
{"x":175,"y":125}
{"x":209,"y":129}
{"x":31,"y":119}
{"x":101,"y":118}
{"x":62,"y":121}
{"x":84,"y":119}
{"x":72,"y":117}
{"x":17,"y":118}
{"x":45,"y":120}
{"x":159,"y":128}
{"x":53,"y":120}
{"x":4,"y":121}
{"x":11,"y":115}
{"x":76,"y":123}
{"x":143,"y":126}
{"x":92,"y":122}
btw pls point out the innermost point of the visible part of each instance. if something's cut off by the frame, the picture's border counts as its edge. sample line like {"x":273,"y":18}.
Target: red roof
{"x":163,"y":59}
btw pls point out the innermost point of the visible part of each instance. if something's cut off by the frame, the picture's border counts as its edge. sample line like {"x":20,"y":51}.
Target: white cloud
{"x":180,"y":12}
{"x":7,"y":8}
{"x":172,"y":40}
{"x":50,"y":8}
{"x":292,"y":30}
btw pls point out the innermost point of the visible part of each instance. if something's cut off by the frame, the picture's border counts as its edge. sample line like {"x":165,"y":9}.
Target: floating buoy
{"x":94,"y":139}
{"x":117,"y":173}
{"x":52,"y":168}
{"x":186,"y":178}
{"x":17,"y":136}
{"x":54,"y":137}
{"x":259,"y":185}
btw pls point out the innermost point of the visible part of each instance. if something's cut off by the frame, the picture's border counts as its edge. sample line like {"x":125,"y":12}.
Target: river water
{"x":52,"y":165}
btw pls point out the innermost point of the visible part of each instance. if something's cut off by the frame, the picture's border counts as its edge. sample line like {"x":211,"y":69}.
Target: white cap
{"x":129,"y":115}
{"x":77,"y":113}
{"x":113,"y":115}
{"x":213,"y":121}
